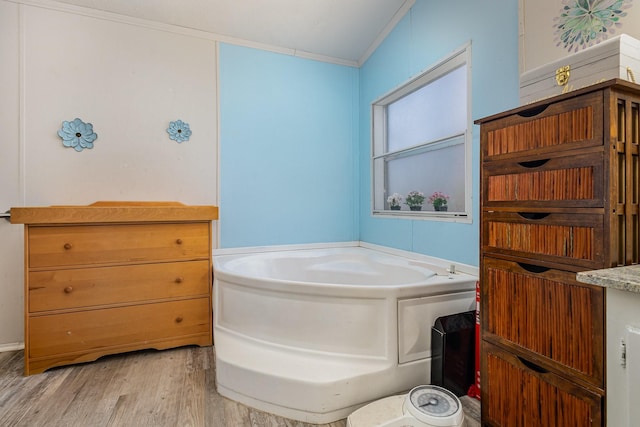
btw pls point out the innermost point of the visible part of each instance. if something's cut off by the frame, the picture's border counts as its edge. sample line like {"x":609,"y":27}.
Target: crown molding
{"x":144,"y":23}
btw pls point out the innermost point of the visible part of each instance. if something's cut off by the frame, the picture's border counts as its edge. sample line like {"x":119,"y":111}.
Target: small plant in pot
{"x":439,"y":201}
{"x":394,"y":201}
{"x":414,"y":200}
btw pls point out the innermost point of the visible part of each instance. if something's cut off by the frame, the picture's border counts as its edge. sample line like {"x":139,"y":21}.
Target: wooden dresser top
{"x":113,"y":212}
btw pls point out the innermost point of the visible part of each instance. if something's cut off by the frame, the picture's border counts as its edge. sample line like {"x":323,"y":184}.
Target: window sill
{"x":460,"y":217}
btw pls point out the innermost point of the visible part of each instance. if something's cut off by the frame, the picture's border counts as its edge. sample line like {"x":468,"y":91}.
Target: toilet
{"x":423,"y":406}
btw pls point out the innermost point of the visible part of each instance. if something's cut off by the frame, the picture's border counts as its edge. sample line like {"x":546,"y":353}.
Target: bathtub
{"x":313,"y":334}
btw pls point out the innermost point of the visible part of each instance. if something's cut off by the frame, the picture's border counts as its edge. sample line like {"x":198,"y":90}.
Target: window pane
{"x":437,"y":110}
{"x":440,"y":170}
{"x":421,"y":139}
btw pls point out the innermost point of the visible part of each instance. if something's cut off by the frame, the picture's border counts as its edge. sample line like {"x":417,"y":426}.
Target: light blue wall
{"x":288,"y":149}
{"x":432,"y":30}
{"x":295,"y":133}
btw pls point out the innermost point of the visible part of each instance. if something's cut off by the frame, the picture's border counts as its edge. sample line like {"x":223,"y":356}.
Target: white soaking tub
{"x":313,"y":334}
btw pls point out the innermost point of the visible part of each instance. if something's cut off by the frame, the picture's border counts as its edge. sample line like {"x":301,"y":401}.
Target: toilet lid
{"x":434,"y":405}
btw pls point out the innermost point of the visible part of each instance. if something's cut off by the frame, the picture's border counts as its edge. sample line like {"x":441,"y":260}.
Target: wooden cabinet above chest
{"x":559,"y":194}
{"x":114,"y":277}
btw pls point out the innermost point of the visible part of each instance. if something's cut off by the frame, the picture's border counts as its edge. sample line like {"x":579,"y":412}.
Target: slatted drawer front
{"x":86,"y":287}
{"x":563,"y":125}
{"x":93,"y":330}
{"x":106,"y":244}
{"x":569,"y":238}
{"x":548,"y":312}
{"x":567,"y":181}
{"x":519,"y":395}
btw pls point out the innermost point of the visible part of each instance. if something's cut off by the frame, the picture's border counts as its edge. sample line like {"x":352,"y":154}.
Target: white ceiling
{"x":340,"y":30}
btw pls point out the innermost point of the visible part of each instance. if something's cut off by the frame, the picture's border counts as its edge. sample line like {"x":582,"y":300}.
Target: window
{"x":422,"y":143}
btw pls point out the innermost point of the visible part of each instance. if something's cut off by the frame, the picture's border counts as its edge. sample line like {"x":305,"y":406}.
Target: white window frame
{"x":458,"y":58}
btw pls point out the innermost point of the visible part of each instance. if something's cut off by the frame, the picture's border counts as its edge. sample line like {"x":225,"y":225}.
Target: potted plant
{"x":394,"y":201}
{"x":439,"y":201}
{"x":414,"y":200}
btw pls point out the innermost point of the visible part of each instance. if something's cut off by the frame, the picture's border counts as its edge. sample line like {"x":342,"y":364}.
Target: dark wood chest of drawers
{"x":559,"y":194}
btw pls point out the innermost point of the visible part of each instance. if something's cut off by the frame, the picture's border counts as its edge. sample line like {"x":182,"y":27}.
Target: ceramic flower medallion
{"x":77,"y":134}
{"x":179,"y":131}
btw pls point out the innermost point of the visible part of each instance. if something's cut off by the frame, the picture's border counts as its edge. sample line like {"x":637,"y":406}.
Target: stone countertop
{"x":622,"y":278}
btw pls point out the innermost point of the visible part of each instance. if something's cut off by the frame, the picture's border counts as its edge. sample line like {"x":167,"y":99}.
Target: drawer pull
{"x":533,"y":111}
{"x":179,"y":279}
{"x":179,"y":241}
{"x":532,"y":366}
{"x":179,"y":319}
{"x":68,"y":246}
{"x":533,"y":215}
{"x":533,"y":163}
{"x":533,"y":268}
{"x":68,"y":289}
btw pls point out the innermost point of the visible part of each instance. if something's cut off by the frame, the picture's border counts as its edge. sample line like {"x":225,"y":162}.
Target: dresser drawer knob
{"x":179,"y":279}
{"x":179,"y":319}
{"x":179,"y":241}
{"x":68,"y":246}
{"x":68,"y":289}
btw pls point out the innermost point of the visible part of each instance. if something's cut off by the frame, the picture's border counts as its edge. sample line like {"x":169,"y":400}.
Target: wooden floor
{"x":149,"y":388}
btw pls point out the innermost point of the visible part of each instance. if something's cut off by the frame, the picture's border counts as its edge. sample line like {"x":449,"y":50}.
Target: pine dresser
{"x":113,"y":277}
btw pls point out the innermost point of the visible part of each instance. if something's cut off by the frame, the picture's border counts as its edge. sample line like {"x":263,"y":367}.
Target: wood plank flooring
{"x":147,"y":388}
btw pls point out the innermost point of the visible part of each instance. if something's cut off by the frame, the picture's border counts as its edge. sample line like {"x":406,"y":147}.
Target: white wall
{"x":129,"y":78}
{"x":541,"y":41}
{"x":11,"y":249}
{"x":622,"y":381}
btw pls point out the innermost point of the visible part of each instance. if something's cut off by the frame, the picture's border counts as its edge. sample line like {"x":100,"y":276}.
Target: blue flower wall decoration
{"x":583,"y":23}
{"x":77,"y":134}
{"x":179,"y":131}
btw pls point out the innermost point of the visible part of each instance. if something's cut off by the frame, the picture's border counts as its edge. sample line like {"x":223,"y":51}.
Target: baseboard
{"x":13,"y":346}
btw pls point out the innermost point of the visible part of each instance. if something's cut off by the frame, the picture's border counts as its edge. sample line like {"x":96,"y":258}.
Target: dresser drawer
{"x":575,"y":239}
{"x":85,"y":287}
{"x":55,"y":246}
{"x":565,"y":125}
{"x":516,"y":392}
{"x":573,"y":180}
{"x":95,"y":330}
{"x":546,"y":311}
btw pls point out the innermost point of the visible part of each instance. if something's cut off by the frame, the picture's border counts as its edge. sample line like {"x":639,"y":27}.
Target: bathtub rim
{"x":439,"y":262}
{"x":440,"y":283}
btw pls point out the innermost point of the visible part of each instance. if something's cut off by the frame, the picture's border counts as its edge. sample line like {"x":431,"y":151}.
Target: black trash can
{"x":453,"y":352}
